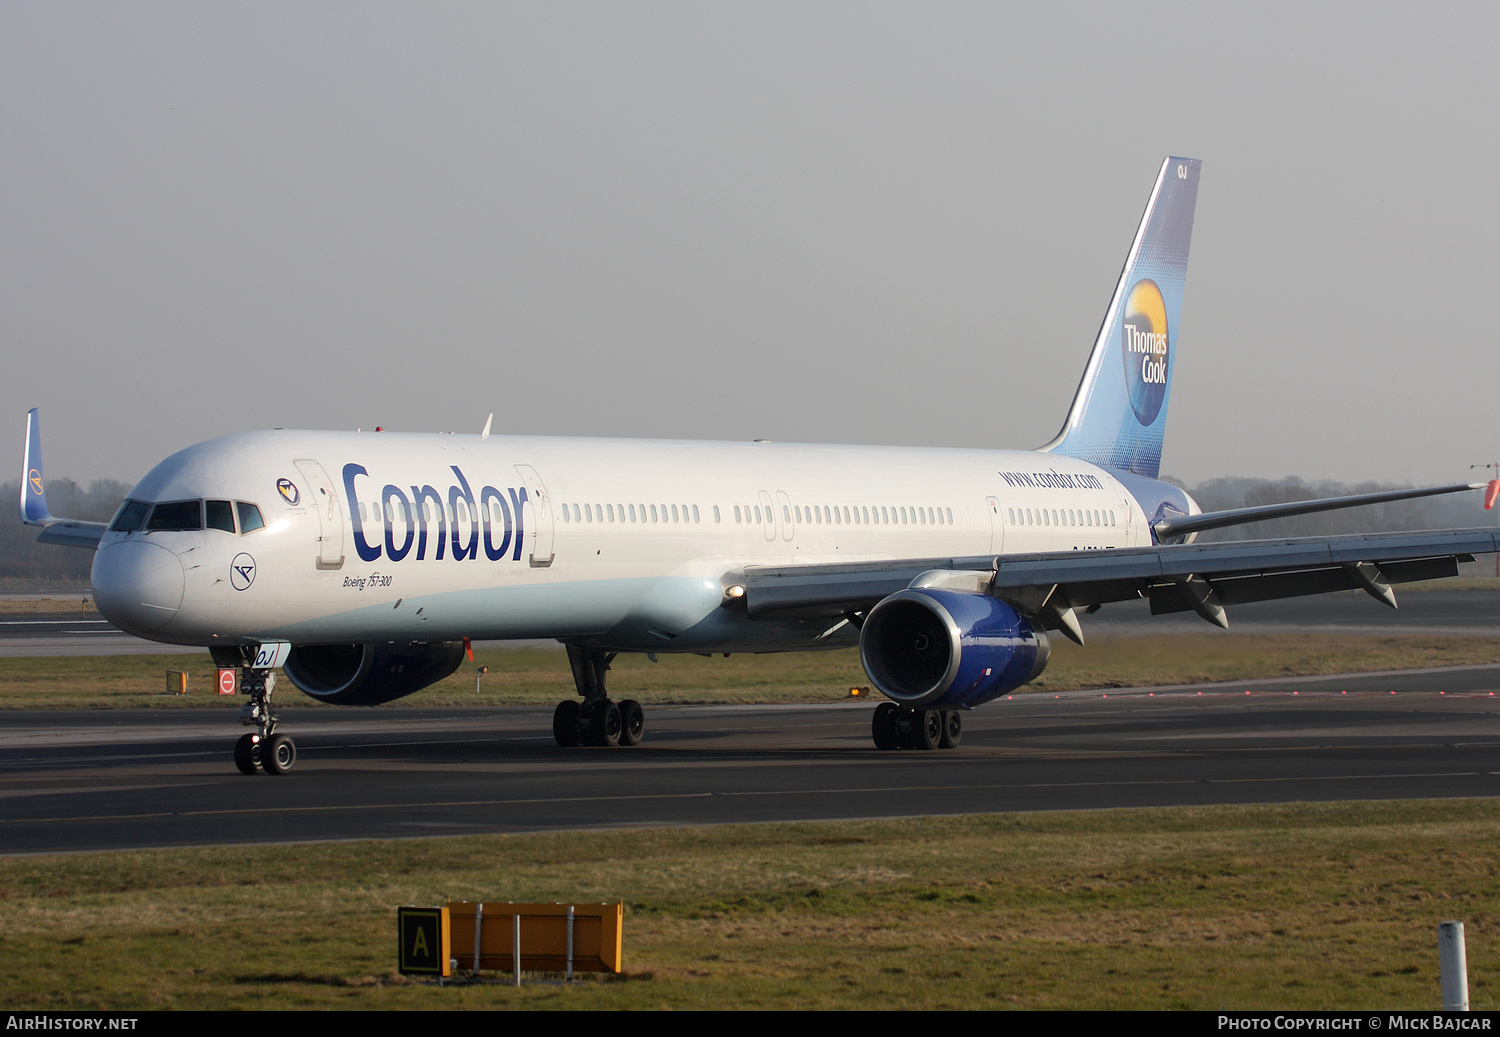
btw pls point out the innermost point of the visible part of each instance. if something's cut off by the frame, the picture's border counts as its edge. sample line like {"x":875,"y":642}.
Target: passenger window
{"x":176,"y":515}
{"x":695,"y":513}
{"x":736,"y":513}
{"x":250,"y":519}
{"x":220,"y":515}
{"x":716,"y":513}
{"x":130,"y":517}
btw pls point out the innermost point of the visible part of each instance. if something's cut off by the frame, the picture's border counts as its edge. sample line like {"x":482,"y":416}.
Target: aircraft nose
{"x":137,"y":586}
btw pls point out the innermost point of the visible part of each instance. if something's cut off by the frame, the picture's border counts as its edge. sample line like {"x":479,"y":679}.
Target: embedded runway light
{"x":859,"y":693}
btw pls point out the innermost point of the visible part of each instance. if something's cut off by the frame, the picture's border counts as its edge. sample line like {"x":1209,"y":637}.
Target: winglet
{"x":33,"y":491}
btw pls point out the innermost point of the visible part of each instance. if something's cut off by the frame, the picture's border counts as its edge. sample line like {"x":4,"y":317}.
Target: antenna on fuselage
{"x":486,"y":433}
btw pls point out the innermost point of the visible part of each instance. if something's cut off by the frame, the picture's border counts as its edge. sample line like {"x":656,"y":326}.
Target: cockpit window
{"x":220,"y":515}
{"x":249,"y":516}
{"x":130,"y":516}
{"x":179,"y":514}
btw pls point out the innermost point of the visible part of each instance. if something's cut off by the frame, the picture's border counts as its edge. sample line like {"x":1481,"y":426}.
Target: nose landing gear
{"x":265,"y":750}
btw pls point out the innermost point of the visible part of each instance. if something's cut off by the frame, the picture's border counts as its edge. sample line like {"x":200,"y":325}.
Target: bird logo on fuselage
{"x":288,"y":491}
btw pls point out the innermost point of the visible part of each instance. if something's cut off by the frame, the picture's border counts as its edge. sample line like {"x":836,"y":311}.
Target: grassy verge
{"x":540,"y":676}
{"x":1299,"y":906}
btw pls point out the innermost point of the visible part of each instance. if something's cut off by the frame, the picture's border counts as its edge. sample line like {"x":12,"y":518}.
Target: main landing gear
{"x":597,"y":720}
{"x":902,"y":727}
{"x":265,"y":750}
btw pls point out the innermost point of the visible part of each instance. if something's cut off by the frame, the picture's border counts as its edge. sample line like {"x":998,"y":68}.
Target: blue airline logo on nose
{"x":241,"y":571}
{"x":494,"y":518}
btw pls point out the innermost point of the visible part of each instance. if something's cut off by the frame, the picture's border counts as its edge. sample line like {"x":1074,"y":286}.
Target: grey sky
{"x":818,"y":222}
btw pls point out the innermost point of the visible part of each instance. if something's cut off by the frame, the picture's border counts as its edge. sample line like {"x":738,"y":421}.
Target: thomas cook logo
{"x":242,"y":571}
{"x":34,"y":477}
{"x":288,"y":491}
{"x":1146,"y":346}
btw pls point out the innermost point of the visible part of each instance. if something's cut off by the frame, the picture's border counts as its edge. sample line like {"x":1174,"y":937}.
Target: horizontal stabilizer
{"x":1171,"y":527}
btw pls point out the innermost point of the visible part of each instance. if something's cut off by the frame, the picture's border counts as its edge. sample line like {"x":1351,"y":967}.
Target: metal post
{"x":515,"y":947}
{"x":478,"y":925}
{"x":1453,"y":966}
{"x":570,"y":944}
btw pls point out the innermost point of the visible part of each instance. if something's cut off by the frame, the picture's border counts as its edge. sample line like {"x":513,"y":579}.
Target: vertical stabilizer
{"x":1119,"y":414}
{"x":33,"y":492}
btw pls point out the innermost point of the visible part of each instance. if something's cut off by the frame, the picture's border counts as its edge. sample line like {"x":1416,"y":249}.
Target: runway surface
{"x":74,"y":781}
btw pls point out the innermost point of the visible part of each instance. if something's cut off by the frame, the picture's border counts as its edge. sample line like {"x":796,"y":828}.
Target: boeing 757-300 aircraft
{"x":360,"y":563}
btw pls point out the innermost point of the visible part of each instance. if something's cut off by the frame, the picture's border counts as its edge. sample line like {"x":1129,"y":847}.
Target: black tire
{"x":247,"y":754}
{"x":565,"y":724}
{"x":953,"y":729}
{"x":883,"y":726}
{"x":607,"y":724}
{"x":632,"y":722}
{"x":927,"y":729}
{"x":278,"y":755}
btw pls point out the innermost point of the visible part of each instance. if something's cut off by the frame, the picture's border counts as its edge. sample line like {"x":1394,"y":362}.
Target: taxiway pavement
{"x":74,"y":781}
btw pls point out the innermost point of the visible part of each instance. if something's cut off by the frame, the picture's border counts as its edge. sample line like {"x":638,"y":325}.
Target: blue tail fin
{"x":33,"y":494}
{"x":1119,"y":414}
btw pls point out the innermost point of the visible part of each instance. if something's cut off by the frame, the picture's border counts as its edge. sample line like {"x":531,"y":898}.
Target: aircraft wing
{"x":1174,"y":577}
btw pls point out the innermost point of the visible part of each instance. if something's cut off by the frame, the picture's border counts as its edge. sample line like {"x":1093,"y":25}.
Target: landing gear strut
{"x":265,"y":750}
{"x":902,"y":727}
{"x":597,"y":720}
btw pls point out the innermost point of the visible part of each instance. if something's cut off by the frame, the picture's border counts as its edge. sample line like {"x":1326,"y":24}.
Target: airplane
{"x":362,"y":564}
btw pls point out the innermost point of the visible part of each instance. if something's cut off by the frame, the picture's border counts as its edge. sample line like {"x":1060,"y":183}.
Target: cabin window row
{"x":842,"y":515}
{"x":637,"y":513}
{"x":1061,"y":517}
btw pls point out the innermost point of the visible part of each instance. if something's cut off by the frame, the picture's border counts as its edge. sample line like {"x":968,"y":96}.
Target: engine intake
{"x":944,"y":649}
{"x":367,"y":675}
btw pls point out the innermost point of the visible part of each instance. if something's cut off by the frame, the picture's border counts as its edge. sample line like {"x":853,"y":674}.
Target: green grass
{"x":1301,"y":906}
{"x":540,"y":676}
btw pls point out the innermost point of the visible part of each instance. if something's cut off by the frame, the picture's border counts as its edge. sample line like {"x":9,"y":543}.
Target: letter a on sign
{"x":423,"y":936}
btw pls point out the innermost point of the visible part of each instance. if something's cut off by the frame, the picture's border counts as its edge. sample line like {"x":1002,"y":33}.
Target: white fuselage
{"x":617,"y":543}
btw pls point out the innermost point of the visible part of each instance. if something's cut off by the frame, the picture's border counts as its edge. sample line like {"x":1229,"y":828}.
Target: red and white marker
{"x":226,"y":682}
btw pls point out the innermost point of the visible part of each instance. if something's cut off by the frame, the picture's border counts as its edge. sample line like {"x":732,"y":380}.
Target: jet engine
{"x":367,"y":675}
{"x":931,"y":648}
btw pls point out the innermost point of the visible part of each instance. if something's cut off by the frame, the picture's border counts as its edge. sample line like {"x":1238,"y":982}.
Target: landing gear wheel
{"x":883,"y":726}
{"x":953,"y":729}
{"x":247,"y":754}
{"x":632,"y":722}
{"x":565,"y":724}
{"x":607,"y":724}
{"x":278,"y":754}
{"x":927,"y":729}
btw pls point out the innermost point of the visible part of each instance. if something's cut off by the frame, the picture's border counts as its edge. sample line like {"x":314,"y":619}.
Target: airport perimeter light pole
{"x":1488,"y":501}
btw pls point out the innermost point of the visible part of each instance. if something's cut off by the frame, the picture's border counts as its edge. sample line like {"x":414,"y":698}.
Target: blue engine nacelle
{"x":367,"y":675}
{"x":943,"y":649}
